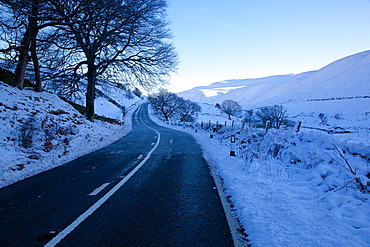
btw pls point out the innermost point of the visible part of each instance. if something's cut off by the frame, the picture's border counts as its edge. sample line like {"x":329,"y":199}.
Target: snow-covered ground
{"x":55,"y":132}
{"x":306,"y":188}
{"x":291,"y":189}
{"x":287,"y":188}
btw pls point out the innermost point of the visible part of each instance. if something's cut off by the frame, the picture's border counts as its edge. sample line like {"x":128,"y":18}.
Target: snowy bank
{"x":39,"y":131}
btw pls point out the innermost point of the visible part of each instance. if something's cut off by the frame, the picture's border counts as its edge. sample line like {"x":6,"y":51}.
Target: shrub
{"x":26,"y":133}
{"x":323,"y":118}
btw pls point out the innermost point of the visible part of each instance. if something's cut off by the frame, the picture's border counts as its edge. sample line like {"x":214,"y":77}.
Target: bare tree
{"x":21,"y":14}
{"x":230,"y":107}
{"x":248,"y":118}
{"x":165,"y":104}
{"x":21,"y":22}
{"x":188,"y":110}
{"x":275,"y":114}
{"x":122,"y":40}
{"x":170,"y":106}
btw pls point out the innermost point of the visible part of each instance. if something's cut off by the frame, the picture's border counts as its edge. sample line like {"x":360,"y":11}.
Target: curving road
{"x":151,"y":188}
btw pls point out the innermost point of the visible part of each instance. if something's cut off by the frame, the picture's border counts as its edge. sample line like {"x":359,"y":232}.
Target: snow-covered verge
{"x":39,"y":131}
{"x":293,"y":189}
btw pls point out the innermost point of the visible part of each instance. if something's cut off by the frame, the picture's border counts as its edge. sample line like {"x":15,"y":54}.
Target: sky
{"x":236,"y":39}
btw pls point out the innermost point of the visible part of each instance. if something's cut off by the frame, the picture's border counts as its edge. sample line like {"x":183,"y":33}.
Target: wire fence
{"x":212,"y":126}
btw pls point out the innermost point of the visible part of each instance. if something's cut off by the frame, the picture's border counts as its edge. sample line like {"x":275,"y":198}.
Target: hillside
{"x":39,"y":131}
{"x":340,"y":89}
{"x":346,"y":77}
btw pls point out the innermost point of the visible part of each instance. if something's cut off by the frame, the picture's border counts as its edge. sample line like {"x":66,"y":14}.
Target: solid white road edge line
{"x":97,"y":190}
{"x":234,"y":226}
{"x":94,"y":207}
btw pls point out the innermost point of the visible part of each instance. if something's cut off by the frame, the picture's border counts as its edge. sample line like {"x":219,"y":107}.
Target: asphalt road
{"x":151,"y":188}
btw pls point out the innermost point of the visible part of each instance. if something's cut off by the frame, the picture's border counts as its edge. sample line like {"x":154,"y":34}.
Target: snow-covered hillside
{"x":216,"y":91}
{"x":346,"y":77}
{"x":340,"y":90}
{"x":39,"y":131}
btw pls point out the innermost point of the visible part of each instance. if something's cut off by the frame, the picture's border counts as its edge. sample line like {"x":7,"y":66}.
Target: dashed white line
{"x":97,"y":190}
{"x":102,"y":200}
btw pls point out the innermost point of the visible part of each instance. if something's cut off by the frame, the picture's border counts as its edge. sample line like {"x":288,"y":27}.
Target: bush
{"x":248,"y":118}
{"x":324,"y":119}
{"x":26,"y":133}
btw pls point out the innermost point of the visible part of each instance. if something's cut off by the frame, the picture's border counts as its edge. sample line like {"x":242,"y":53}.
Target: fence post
{"x":268,"y":125}
{"x":298,"y":126}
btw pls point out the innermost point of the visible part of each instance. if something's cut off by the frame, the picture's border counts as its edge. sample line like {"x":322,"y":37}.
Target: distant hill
{"x":347,"y":77}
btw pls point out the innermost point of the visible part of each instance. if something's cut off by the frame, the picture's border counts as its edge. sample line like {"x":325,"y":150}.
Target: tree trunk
{"x":36,"y":66}
{"x":20,"y":70}
{"x":28,"y":37}
{"x":33,"y":32}
{"x":90,"y":94}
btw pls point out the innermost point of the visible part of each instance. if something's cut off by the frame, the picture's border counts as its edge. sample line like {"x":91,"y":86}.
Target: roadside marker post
{"x":232,"y":145}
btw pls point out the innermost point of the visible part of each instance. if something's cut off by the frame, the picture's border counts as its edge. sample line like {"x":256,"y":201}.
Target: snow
{"x":345,"y":81}
{"x":309,"y":188}
{"x":287,"y":188}
{"x":68,"y":127}
{"x":107,"y":109}
{"x":311,"y":203}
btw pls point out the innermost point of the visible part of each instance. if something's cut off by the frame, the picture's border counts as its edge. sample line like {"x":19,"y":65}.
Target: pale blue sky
{"x":236,"y":39}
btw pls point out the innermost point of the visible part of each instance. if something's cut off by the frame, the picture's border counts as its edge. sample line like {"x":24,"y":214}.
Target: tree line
{"x":270,"y":116}
{"x":168,"y":106}
{"x":124,"y":41}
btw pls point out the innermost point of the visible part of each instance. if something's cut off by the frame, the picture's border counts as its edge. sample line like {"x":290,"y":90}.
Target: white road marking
{"x":152,"y":144}
{"x":102,"y":200}
{"x":97,"y":190}
{"x":233,"y":223}
{"x":140,"y":156}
